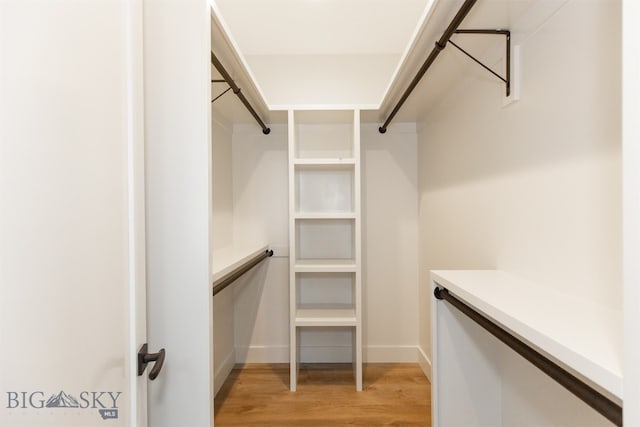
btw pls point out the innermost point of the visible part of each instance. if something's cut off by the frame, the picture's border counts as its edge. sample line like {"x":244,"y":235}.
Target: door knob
{"x":144,"y":357}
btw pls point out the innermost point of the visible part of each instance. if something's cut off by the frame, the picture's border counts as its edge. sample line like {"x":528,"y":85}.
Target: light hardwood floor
{"x":393,"y":394}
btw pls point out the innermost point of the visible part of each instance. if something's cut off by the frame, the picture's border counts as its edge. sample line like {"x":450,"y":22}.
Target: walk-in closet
{"x":320,"y":212}
{"x":491,"y":172}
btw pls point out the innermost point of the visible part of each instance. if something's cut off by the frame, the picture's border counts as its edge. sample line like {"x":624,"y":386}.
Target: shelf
{"x":583,"y":336}
{"x":325,"y":287}
{"x":325,"y":215}
{"x":328,"y":162}
{"x":325,"y":266}
{"x":325,"y":315}
{"x":229,"y":258}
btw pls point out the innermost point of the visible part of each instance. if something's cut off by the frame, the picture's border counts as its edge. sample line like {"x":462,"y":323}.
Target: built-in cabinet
{"x":325,"y":286}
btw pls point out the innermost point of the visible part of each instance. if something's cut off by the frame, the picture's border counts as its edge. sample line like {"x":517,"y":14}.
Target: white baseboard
{"x":425,"y":363}
{"x":335,"y":354}
{"x":222,"y":372}
{"x":390,"y":354}
{"x":262,"y":354}
{"x":280,"y":354}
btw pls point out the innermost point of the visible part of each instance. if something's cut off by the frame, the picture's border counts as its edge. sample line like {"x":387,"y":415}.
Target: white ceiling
{"x":312,"y":54}
{"x":322,"y":27}
{"x":322,"y":53}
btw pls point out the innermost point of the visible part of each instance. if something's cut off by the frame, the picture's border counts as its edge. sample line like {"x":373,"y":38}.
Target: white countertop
{"x":583,"y":336}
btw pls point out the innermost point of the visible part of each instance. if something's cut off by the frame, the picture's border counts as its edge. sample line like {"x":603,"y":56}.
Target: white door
{"x":72,"y":269}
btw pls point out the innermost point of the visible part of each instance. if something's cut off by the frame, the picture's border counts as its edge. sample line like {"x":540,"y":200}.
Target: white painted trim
{"x":136,"y":251}
{"x":337,"y":354}
{"x":424,"y":363}
{"x":293,"y":333}
{"x":357,"y":353}
{"x":391,"y":354}
{"x":631,"y":207}
{"x":321,"y":107}
{"x":224,"y":369}
{"x":262,"y":354}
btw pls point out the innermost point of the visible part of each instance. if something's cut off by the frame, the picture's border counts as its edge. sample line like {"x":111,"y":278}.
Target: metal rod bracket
{"x":499,"y":32}
{"x":219,"y":96}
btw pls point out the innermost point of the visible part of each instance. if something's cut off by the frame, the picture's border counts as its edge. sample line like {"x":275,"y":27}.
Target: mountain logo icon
{"x":62,"y":400}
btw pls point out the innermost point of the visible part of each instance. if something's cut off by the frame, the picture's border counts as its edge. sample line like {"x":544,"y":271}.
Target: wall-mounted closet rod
{"x":605,"y":406}
{"x":440,"y":45}
{"x":230,"y":277}
{"x":225,"y":75}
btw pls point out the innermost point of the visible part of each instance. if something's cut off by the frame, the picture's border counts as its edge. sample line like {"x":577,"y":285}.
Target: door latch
{"x":144,"y":357}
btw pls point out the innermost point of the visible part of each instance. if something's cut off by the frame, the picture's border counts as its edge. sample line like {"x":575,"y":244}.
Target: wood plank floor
{"x":393,"y":394}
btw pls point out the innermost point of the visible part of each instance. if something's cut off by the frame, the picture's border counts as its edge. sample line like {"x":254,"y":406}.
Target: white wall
{"x":390,"y":243}
{"x":533,"y":188}
{"x":222,"y":236}
{"x":323,"y":80}
{"x":260,"y":189}
{"x":222,"y":187}
{"x":260,"y":197}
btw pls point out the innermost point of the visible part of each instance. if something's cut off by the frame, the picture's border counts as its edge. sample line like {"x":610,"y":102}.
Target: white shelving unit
{"x":587,"y":343}
{"x":325,"y":287}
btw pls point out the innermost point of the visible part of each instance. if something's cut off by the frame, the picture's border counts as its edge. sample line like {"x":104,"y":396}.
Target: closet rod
{"x":605,"y":406}
{"x":225,"y":75}
{"x":440,"y":45}
{"x":230,"y":277}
